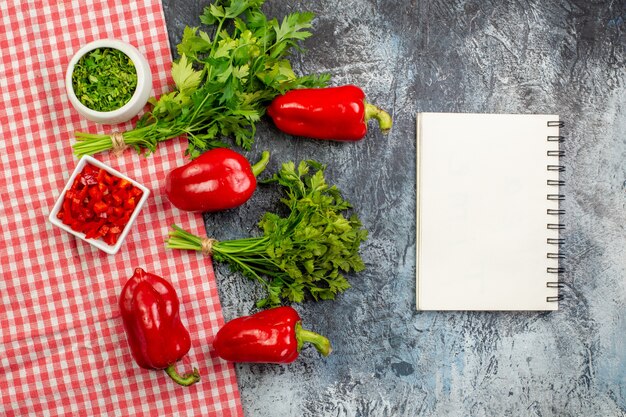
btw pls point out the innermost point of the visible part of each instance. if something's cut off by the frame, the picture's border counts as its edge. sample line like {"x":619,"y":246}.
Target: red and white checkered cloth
{"x":63,"y":350}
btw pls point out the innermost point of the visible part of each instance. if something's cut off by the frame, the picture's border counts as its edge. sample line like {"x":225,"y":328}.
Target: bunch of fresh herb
{"x":224,"y":80}
{"x":306,"y":252}
{"x":104,"y":79}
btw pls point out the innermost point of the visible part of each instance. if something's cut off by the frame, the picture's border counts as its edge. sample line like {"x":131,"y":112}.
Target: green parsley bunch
{"x":305,"y":253}
{"x":224,"y":78}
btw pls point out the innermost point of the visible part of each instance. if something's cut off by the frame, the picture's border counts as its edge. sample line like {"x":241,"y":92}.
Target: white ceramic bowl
{"x":99,"y":243}
{"x":137,"y":101}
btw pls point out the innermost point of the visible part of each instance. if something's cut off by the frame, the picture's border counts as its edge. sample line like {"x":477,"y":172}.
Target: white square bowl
{"x":99,"y":243}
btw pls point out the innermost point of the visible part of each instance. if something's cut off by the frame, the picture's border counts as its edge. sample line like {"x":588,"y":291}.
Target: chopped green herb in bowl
{"x":104,"y":79}
{"x":108,"y":81}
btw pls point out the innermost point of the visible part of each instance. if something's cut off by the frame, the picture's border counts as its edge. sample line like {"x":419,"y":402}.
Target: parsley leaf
{"x":186,"y":78}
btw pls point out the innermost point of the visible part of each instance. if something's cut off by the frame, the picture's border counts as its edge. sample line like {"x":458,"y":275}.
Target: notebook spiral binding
{"x":555,"y":197}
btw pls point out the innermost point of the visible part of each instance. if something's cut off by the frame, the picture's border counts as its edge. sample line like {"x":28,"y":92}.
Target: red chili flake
{"x":99,"y":204}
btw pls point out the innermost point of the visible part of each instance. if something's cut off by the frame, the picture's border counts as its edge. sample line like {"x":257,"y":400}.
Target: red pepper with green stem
{"x":156,"y":336}
{"x":333,"y":113}
{"x":269,"y":336}
{"x":219,"y":179}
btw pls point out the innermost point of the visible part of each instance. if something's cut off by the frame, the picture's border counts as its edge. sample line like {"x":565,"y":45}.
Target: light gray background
{"x":561,"y":56}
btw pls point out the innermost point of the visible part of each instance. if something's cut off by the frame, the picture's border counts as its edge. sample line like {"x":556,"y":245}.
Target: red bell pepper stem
{"x":383,"y":118}
{"x":184,"y":380}
{"x":262,"y":164}
{"x":321,"y":343}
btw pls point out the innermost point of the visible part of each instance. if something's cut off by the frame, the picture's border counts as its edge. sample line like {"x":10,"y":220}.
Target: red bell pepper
{"x":270,"y":336}
{"x":219,"y":179}
{"x":156,"y":336}
{"x":334,"y":113}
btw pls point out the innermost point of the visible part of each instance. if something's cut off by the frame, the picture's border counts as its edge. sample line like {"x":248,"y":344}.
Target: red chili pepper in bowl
{"x":333,"y":113}
{"x":99,"y":204}
{"x":269,"y":336}
{"x":219,"y":179}
{"x":156,"y":335}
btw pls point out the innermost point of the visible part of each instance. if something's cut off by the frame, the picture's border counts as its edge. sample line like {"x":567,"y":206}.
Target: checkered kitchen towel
{"x":63,"y":350}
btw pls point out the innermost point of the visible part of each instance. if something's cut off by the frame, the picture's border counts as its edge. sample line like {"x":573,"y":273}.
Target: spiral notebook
{"x":488,"y":215}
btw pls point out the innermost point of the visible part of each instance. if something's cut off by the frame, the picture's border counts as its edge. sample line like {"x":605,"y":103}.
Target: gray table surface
{"x":519,"y":56}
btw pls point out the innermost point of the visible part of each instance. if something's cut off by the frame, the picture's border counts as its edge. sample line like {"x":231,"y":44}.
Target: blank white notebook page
{"x":482,"y":234}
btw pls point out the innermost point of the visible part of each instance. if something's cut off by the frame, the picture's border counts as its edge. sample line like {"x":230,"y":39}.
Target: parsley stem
{"x":246,"y":244}
{"x":246,"y":268}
